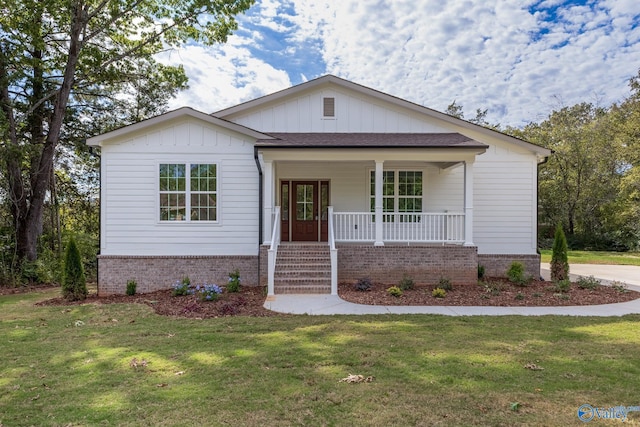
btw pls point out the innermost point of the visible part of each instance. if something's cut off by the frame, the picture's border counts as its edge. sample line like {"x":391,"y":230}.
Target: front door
{"x":304,"y":211}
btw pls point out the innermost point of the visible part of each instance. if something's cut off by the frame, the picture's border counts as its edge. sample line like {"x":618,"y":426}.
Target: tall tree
{"x":63,"y":61}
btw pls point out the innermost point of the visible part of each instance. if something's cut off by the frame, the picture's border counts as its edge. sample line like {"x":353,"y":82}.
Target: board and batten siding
{"x":353,"y":113}
{"x":130,"y":222}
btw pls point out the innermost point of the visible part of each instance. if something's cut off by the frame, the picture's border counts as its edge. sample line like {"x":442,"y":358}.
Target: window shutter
{"x":329,"y":107}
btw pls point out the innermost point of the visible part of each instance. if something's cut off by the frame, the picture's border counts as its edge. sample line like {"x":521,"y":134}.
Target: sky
{"x":519,"y":59}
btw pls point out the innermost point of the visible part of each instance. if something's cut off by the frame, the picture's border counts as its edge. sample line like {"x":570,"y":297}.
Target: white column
{"x":378,"y":202}
{"x":468,"y":203}
{"x":267,"y":201}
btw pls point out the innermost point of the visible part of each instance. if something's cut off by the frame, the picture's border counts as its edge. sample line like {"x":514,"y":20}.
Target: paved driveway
{"x":629,"y":274}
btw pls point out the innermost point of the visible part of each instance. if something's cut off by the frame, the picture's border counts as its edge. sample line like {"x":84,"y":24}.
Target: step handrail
{"x":273,"y":252}
{"x":333,"y":252}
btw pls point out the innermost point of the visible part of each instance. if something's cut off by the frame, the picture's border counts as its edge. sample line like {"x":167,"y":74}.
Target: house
{"x":324,"y":182}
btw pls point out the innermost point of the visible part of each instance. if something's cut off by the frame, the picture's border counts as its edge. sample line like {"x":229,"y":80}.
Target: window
{"x":401,"y":192}
{"x":329,"y":107}
{"x":195,"y":193}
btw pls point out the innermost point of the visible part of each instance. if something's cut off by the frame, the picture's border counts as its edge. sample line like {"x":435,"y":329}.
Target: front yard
{"x":122,"y":364}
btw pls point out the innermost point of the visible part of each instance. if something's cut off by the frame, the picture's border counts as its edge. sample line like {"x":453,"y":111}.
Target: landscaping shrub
{"x":233,"y":285}
{"x":209,"y":292}
{"x":406,"y":283}
{"x":181,"y":288}
{"x":481,"y":271}
{"x":588,"y":282}
{"x":559,"y":256}
{"x":445,"y":284}
{"x":562,"y":285}
{"x":131,"y":287}
{"x":363,"y":285}
{"x":74,"y":285}
{"x":515,"y":273}
{"x":439,"y":293}
{"x":394,"y":291}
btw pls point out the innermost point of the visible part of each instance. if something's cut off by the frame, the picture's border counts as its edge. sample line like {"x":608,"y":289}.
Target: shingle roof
{"x":369,"y":140}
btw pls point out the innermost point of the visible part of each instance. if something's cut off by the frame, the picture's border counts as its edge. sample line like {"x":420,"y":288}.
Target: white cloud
{"x":514,"y":57}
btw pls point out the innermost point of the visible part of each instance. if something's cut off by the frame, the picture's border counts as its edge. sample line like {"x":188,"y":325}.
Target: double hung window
{"x":401,"y":194}
{"x":188,"y":192}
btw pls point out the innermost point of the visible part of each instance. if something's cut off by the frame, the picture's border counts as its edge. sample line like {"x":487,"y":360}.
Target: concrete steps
{"x":303,"y":268}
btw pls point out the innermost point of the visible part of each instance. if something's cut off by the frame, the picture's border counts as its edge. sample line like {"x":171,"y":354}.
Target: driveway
{"x":629,"y":274}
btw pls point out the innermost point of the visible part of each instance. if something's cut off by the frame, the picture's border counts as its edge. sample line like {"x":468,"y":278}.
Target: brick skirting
{"x":153,"y":273}
{"x":497,"y":265}
{"x":424,"y":264}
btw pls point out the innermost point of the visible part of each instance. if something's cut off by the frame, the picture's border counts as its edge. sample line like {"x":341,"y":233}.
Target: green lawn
{"x":597,"y":257}
{"x":70,"y":366}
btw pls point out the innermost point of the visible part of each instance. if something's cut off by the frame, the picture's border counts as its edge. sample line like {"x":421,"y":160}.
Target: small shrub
{"x":619,"y":286}
{"x":182,"y":288}
{"x":562,"y":286}
{"x":209,"y":292}
{"x":480,"y":272}
{"x":559,"y":256}
{"x":233,"y":285}
{"x":588,"y":282}
{"x":493,"y":288}
{"x":445,"y":284}
{"x":74,"y":285}
{"x":438,"y":293}
{"x":519,"y":296}
{"x":131,"y":287}
{"x":515,"y":273}
{"x":394,"y":291}
{"x":363,"y":285}
{"x":406,"y":283}
{"x":537,"y":294}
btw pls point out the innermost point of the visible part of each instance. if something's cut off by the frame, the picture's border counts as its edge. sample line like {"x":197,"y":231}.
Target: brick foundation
{"x":497,"y":265}
{"x":153,"y":273}
{"x":424,"y":264}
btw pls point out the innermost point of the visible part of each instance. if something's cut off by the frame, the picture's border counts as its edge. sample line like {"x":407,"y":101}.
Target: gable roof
{"x":229,"y":113}
{"x":369,"y":140}
{"x":97,"y":141}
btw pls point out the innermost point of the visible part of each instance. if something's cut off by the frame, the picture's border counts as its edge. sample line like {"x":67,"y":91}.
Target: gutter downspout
{"x":260,"y":203}
{"x":545,"y":160}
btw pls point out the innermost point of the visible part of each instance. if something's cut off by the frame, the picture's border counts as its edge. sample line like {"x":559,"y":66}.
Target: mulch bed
{"x":249,"y":301}
{"x":494,"y":292}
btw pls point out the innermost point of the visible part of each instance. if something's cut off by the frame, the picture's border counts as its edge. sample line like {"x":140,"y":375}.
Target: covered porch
{"x":410,"y":195}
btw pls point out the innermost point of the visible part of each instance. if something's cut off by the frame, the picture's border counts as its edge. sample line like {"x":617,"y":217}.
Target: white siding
{"x":355,"y":112}
{"x":505,"y":202}
{"x":130,"y":217}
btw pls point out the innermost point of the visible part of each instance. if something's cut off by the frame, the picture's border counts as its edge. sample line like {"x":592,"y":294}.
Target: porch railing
{"x":273,"y":252}
{"x":445,"y":227}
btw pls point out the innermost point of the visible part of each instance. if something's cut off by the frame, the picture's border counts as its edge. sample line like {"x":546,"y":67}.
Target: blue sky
{"x":520,"y":59}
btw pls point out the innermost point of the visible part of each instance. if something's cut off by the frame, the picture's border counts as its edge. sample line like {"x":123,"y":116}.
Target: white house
{"x":324,"y":182}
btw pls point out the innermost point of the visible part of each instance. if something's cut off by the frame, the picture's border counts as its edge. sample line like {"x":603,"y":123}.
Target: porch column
{"x":379,"y":203}
{"x":267,"y":219}
{"x":468,"y":203}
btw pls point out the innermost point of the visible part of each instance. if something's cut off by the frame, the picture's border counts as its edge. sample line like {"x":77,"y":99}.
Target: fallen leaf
{"x":533,"y":367}
{"x":179,"y":373}
{"x":36,"y":397}
{"x":162,"y":385}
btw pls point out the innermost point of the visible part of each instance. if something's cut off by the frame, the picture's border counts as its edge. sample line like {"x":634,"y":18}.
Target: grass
{"x":71,"y":366}
{"x":597,"y":257}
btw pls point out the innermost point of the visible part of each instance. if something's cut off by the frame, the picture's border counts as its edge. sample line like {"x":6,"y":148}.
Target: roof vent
{"x":329,"y":107}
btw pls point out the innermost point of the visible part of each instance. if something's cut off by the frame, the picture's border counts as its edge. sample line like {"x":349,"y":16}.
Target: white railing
{"x":445,"y":227}
{"x":273,"y":252}
{"x":334,"y":253}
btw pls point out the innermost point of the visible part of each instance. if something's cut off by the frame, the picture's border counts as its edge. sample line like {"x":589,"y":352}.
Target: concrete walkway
{"x":333,"y":304}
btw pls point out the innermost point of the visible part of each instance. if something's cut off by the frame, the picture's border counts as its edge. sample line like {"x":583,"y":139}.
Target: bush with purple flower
{"x":208,"y":292}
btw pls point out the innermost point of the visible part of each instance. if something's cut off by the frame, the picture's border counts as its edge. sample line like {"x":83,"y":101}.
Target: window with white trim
{"x":401,"y":192}
{"x":188,"y":188}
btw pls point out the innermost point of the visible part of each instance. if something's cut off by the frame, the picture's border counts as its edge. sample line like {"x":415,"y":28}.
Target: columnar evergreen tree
{"x":559,"y":256}
{"x":74,"y":284}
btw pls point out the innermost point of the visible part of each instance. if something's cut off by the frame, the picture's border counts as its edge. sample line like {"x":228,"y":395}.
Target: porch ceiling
{"x":370,"y":140}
